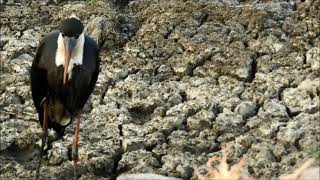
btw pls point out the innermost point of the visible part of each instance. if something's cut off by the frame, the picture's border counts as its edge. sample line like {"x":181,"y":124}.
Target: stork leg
{"x":75,"y":146}
{"x":44,"y":135}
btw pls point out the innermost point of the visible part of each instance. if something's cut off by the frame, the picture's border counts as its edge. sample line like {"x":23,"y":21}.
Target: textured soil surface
{"x":179,"y":80}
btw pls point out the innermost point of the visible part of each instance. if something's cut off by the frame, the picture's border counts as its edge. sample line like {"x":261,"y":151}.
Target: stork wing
{"x":38,"y":77}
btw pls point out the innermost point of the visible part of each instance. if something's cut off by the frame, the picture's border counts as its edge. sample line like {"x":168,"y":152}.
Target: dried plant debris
{"x":298,"y":172}
{"x":224,"y":171}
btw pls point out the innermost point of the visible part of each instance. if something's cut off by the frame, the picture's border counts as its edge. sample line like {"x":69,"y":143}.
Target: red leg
{"x":44,"y":135}
{"x":75,"y":146}
{"x":45,"y":116}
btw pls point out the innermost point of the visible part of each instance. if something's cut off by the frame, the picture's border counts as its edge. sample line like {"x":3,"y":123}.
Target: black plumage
{"x":47,"y":79}
{"x":71,"y":26}
{"x":59,"y":98}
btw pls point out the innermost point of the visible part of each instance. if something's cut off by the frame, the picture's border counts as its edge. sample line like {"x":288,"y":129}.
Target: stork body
{"x":63,"y":75}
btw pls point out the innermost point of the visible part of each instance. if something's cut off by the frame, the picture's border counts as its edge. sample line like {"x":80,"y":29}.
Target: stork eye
{"x":62,"y":35}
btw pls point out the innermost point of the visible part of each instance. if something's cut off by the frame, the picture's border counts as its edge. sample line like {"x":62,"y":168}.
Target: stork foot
{"x":75,"y":158}
{"x":44,"y":139}
{"x":72,"y":152}
{"x":44,"y":135}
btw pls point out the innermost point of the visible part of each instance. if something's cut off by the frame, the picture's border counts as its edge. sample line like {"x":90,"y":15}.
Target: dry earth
{"x":179,"y":79}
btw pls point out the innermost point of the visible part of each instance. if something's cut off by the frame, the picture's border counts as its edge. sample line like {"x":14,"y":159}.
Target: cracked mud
{"x":179,"y":80}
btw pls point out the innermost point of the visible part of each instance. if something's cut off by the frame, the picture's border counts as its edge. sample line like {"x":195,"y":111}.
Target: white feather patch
{"x":76,"y":56}
{"x":74,"y":16}
{"x":64,"y":121}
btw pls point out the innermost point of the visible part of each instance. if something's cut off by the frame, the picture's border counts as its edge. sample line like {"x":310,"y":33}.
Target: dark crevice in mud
{"x":280,"y":91}
{"x":118,"y":105}
{"x":156,"y":71}
{"x":118,"y":4}
{"x":291,"y":114}
{"x":23,"y":156}
{"x":218,"y":109}
{"x":203,"y":19}
{"x":185,"y":125}
{"x":167,"y":35}
{"x":117,"y":157}
{"x":253,"y":70}
{"x":120,"y":130}
{"x":245,"y":43}
{"x":183,"y":95}
{"x":257,"y":109}
{"x":166,"y":135}
{"x":150,"y":147}
{"x":297,"y":145}
{"x":103,"y":94}
{"x":21,"y":33}
{"x":102,"y":43}
{"x":140,"y":114}
{"x":311,"y":95}
{"x":69,"y":152}
{"x":21,"y":99}
{"x":158,"y":157}
{"x":304,"y":59}
{"x":172,"y":69}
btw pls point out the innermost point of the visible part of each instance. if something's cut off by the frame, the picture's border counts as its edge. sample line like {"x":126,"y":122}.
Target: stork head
{"x":70,"y":29}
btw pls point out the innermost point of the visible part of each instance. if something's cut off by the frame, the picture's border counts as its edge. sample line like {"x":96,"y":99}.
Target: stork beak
{"x":69,"y":44}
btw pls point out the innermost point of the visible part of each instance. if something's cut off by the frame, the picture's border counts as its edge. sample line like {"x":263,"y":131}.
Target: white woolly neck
{"x":76,"y":56}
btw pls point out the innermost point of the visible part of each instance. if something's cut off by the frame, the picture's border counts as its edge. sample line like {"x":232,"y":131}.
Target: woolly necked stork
{"x":63,"y":75}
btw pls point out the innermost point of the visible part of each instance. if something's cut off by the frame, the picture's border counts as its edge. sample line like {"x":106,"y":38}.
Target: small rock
{"x":179,"y":163}
{"x":138,"y":161}
{"x":144,"y":177}
{"x":269,"y":131}
{"x":273,"y":108}
{"x":131,"y":130}
{"x":3,"y":41}
{"x":101,"y":165}
{"x":247,"y":109}
{"x":265,"y":154}
{"x":8,"y":136}
{"x":230,"y":103}
{"x":290,"y":134}
{"x":154,"y":139}
{"x":58,"y":153}
{"x":200,"y":121}
{"x":132,"y":144}
{"x":229,"y":125}
{"x":313,"y":58}
{"x":279,"y":150}
{"x":304,"y":98}
{"x":98,"y":27}
{"x":21,"y":64}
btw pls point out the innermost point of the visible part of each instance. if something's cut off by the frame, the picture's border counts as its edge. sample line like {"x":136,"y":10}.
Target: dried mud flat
{"x":179,"y":80}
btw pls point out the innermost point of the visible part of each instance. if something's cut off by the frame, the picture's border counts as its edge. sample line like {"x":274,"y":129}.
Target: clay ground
{"x":179,"y":79}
